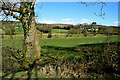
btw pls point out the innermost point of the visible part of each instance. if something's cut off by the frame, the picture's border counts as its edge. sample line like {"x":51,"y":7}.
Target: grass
{"x":69,"y":54}
{"x":62,"y":48}
{"x":15,"y":43}
{"x":61,"y":42}
{"x":19,"y":30}
{"x":59,"y":31}
{"x":72,"y":42}
{"x":77,"y":35}
{"x":18,"y":36}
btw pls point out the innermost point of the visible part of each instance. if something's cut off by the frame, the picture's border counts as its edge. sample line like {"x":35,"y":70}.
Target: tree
{"x":49,"y":34}
{"x":94,"y":32}
{"x":27,"y":18}
{"x":84,"y":31}
{"x":94,"y":23}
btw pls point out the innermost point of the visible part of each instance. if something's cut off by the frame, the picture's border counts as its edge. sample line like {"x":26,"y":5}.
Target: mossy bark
{"x":31,"y":38}
{"x":31,"y":43}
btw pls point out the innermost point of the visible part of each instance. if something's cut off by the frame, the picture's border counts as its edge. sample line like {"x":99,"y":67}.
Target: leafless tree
{"x":24,"y":12}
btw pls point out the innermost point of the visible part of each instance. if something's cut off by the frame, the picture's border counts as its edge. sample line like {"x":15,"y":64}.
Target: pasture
{"x":69,"y":50}
{"x":62,"y":42}
{"x":59,"y":31}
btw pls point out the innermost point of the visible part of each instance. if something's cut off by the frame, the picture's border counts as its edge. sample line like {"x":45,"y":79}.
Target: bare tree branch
{"x":10,"y":8}
{"x":11,"y":14}
{"x":101,"y":14}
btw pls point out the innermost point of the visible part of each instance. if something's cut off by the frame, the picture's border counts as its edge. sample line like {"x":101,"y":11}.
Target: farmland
{"x":71,"y":49}
{"x":74,"y":40}
{"x":59,"y":31}
{"x":63,"y":42}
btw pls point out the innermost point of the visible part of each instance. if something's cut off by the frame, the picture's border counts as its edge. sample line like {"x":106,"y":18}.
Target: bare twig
{"x":101,"y":14}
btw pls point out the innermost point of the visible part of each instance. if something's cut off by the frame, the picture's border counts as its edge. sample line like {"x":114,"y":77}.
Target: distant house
{"x":92,"y":29}
{"x":85,"y":24}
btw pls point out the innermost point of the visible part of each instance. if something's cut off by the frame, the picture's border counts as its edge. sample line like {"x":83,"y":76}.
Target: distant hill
{"x":63,"y":25}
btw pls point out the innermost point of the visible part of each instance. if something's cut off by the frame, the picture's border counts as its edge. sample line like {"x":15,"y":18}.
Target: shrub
{"x":74,"y":31}
{"x":103,"y":58}
{"x":44,"y":28}
{"x":49,"y":35}
{"x":84,"y":31}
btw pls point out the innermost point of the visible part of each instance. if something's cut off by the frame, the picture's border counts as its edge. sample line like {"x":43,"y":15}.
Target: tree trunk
{"x":31,"y":42}
{"x":31,"y":38}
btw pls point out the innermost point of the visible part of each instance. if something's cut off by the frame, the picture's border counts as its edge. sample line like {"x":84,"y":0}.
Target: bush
{"x":74,"y":31}
{"x":49,"y":35}
{"x":84,"y":32}
{"x":44,"y":28}
{"x":103,"y":58}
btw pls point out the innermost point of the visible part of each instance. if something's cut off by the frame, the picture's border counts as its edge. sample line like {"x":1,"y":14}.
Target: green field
{"x":63,"y":42}
{"x":72,"y":42}
{"x":70,"y":50}
{"x":59,"y":31}
{"x":67,"y":49}
{"x":19,"y":30}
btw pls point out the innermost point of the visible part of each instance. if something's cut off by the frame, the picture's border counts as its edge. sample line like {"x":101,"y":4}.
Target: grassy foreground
{"x":70,"y":51}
